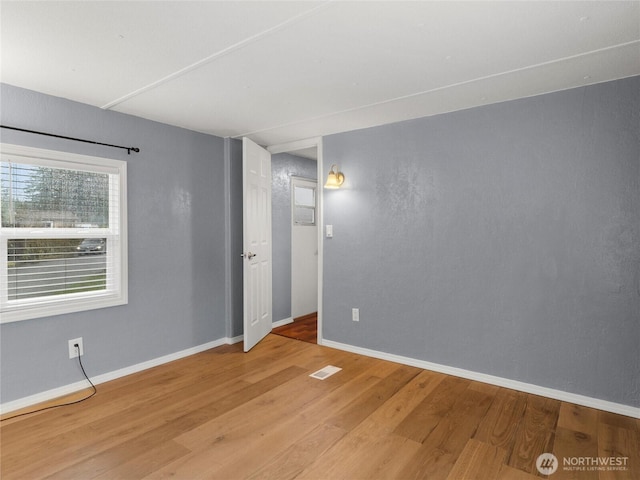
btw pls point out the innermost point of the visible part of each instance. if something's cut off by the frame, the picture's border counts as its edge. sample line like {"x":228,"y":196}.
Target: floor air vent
{"x":325,"y":372}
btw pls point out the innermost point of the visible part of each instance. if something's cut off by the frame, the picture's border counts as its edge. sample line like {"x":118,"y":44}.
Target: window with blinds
{"x":62,"y":233}
{"x":304,"y":205}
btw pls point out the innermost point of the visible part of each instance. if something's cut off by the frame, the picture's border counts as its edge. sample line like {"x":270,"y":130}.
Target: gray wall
{"x":283,"y":167}
{"x":176,"y":247}
{"x":503,"y":239}
{"x":233,"y":159}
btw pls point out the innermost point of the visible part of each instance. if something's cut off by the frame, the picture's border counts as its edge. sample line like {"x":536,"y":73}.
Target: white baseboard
{"x":105,"y":377}
{"x":240,"y":338}
{"x":493,"y":380}
{"x":232,"y":340}
{"x":458,"y":372}
{"x":284,"y":321}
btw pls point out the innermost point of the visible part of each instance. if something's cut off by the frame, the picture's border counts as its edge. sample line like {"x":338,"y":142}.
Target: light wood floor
{"x":303,"y":328}
{"x":226,"y":414}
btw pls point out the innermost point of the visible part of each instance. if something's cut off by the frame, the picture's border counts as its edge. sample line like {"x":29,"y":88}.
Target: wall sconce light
{"x":335,"y":178}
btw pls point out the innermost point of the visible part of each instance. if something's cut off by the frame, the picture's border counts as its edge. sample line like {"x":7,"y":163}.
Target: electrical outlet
{"x":73,"y":351}
{"x":355,"y":314}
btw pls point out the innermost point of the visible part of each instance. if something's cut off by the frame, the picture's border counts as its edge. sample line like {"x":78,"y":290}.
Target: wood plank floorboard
{"x":303,"y":328}
{"x":535,"y":433}
{"x":228,"y":414}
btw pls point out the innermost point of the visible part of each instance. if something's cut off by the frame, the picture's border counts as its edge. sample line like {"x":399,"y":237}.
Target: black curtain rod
{"x":128,"y":149}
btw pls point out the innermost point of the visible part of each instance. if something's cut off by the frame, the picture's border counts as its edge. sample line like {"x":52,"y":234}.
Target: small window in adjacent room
{"x":304,"y":205}
{"x":62,"y":233}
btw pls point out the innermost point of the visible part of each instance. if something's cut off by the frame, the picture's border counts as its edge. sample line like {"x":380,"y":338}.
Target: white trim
{"x":233,"y":340}
{"x":228,"y":271}
{"x":458,"y":372}
{"x":284,"y":321}
{"x":320,"y":213}
{"x":105,"y":377}
{"x":591,"y":402}
{"x":295,"y":145}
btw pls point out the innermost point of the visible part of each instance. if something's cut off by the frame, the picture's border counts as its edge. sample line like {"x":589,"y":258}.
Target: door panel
{"x":256,"y":163}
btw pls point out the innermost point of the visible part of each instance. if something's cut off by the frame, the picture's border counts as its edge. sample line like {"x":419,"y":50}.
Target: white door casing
{"x":256,"y":183}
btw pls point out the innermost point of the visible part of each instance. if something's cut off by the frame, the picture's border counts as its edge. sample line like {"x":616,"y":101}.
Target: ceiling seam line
{"x":445,"y":87}
{"x":225,"y":51}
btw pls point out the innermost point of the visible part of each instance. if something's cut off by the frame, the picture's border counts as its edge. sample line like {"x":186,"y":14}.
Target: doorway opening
{"x":297,"y":249}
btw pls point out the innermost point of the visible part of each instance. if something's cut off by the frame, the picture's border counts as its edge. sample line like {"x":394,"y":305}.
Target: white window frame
{"x":309,"y":184}
{"x":116,"y":234}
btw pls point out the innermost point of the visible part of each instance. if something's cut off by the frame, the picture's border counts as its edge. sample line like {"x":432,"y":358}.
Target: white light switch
{"x":329,"y":231}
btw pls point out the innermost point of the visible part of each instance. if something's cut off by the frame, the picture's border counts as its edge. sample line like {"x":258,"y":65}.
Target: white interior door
{"x":256,"y":173}
{"x":304,"y":247}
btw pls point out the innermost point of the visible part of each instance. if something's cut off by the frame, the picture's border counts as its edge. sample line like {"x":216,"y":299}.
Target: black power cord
{"x":95,"y":390}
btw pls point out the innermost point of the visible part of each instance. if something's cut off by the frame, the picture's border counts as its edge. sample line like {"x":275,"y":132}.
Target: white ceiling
{"x":283,"y":71}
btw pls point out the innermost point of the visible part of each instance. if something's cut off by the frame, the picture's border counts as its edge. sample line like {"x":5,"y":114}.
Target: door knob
{"x":250,"y":255}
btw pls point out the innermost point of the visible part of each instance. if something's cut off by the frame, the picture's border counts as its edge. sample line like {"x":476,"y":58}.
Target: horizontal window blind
{"x":54,"y":266}
{"x":63,"y":232}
